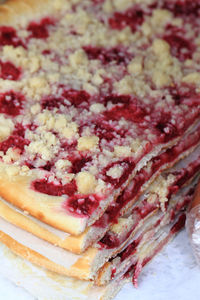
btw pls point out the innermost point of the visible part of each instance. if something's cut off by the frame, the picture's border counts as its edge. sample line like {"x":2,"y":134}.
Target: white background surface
{"x":173,"y":274}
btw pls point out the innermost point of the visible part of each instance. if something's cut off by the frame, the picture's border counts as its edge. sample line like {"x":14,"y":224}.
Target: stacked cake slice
{"x":99,"y":135}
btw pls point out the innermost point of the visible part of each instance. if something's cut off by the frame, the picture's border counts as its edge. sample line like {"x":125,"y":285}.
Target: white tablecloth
{"x":173,"y":274}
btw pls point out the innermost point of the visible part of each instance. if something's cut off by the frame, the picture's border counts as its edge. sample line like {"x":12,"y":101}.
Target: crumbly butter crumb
{"x":160,"y":47}
{"x":6,"y":127}
{"x":12,"y":155}
{"x":192,"y":78}
{"x":62,"y":164}
{"x":70,"y":131}
{"x":12,"y":170}
{"x":79,"y":57}
{"x":135,"y":66}
{"x":86,"y":182}
{"x":35,"y":109}
{"x":115,"y":172}
{"x":87,"y":142}
{"x":122,"y":151}
{"x":97,"y":108}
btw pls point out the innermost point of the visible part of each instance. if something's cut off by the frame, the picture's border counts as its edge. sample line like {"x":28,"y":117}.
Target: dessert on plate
{"x":99,"y":134}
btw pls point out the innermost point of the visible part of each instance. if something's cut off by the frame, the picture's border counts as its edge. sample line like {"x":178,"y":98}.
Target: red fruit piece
{"x":9,"y":71}
{"x":107,"y":55}
{"x":40,"y":30}
{"x":131,"y":112}
{"x":132,"y":17}
{"x":11,"y":103}
{"x":76,"y":97}
{"x":183,"y":7}
{"x":8,"y":36}
{"x":50,"y":188}
{"x":82,"y":205}
{"x":16,"y":140}
{"x":79,"y":163}
{"x":180,"y":47}
{"x":52,"y":102}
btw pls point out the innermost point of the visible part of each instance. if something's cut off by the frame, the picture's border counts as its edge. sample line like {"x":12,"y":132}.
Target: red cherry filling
{"x":8,"y":36}
{"x":16,"y":140}
{"x":109,"y":241}
{"x":130,"y":112}
{"x":183,"y":176}
{"x":76,"y":97}
{"x":82,"y":205}
{"x":117,"y":99}
{"x":50,"y":188}
{"x":179,"y":224}
{"x":181,"y":47}
{"x":79,"y":163}
{"x":162,"y":122}
{"x":130,"y":250}
{"x":9,"y":71}
{"x":106,"y":131}
{"x":184,"y":95}
{"x":52,"y":102}
{"x":183,"y":7}
{"x":11,"y":103}
{"x":107,"y":55}
{"x":127,"y":167}
{"x":132,"y":17}
{"x":40,"y":30}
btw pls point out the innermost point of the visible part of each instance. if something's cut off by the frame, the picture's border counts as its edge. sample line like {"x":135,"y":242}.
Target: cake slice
{"x":82,"y":112}
{"x":121,"y":235}
{"x":125,"y":201}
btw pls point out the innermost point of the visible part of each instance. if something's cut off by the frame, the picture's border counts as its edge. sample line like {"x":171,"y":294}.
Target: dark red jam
{"x":106,"y":131}
{"x":82,"y":205}
{"x":109,"y":241}
{"x":130,"y":112}
{"x":183,"y":7}
{"x":185,"y":94}
{"x":162,"y":122}
{"x":50,"y":188}
{"x":113,"y":273}
{"x":8,"y":36}
{"x":180,"y":46}
{"x":48,"y":166}
{"x":127,"y":166}
{"x":51,"y":102}
{"x":130,"y":250}
{"x":76,"y":97}
{"x":16,"y":140}
{"x":179,"y":224}
{"x":9,"y":71}
{"x":11,"y":103}
{"x":132,"y":17}
{"x":133,"y":190}
{"x":40,"y":30}
{"x":183,"y":176}
{"x":78,"y":163}
{"x":118,"y":55}
{"x":117,"y":99}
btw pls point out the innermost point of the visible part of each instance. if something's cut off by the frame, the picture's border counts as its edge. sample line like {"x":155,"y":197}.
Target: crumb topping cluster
{"x":86,"y":93}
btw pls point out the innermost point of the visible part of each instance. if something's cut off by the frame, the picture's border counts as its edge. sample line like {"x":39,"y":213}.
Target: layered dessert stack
{"x":99,"y":133}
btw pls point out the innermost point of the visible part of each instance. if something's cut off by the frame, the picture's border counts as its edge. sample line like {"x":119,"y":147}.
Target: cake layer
{"x":142,"y":179}
{"x":131,"y":254}
{"x":88,"y":102}
{"x":85,"y":266}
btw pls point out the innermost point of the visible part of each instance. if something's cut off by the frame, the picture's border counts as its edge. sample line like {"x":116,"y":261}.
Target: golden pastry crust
{"x":16,"y":190}
{"x":20,"y":12}
{"x":71,"y":243}
{"x":29,"y":254}
{"x":42,"y":261}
